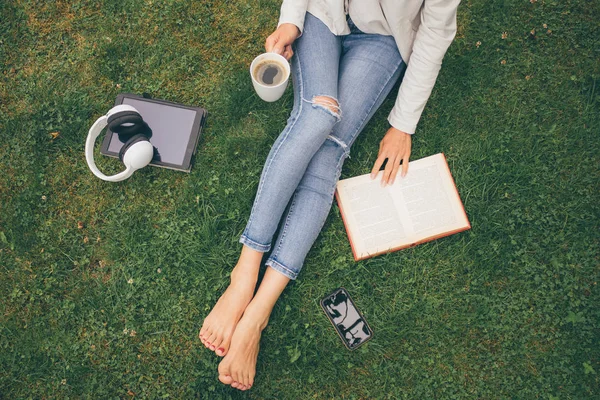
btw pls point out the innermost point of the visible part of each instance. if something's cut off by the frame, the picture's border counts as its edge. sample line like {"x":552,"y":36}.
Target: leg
{"x":369,"y":68}
{"x":315,"y":71}
{"x":315,"y":68}
{"x":219,"y":325}
{"x":308,"y":209}
{"x":238,"y":368}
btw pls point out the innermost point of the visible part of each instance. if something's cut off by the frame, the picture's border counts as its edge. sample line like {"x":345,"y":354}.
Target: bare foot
{"x":238,"y":368}
{"x":219,"y":325}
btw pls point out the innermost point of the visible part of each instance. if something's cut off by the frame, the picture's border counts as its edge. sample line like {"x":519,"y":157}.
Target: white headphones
{"x":136,"y":153}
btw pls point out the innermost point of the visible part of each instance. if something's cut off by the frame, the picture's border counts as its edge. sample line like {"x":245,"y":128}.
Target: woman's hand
{"x":395,"y":146}
{"x":281,"y":40}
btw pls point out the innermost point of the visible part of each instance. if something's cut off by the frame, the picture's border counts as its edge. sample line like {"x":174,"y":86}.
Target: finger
{"x":377,"y":166}
{"x":405,"y":165}
{"x":278,"y":48}
{"x":388,"y":170}
{"x":270,"y":43}
{"x":394,"y":173}
{"x":288,"y":52}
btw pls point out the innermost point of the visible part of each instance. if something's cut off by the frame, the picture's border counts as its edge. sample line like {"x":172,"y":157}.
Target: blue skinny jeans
{"x":298,"y":181}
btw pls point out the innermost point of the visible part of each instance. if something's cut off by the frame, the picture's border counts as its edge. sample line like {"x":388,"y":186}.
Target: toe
{"x":203,"y":330}
{"x":237,"y":379}
{"x":204,"y":334}
{"x":223,"y":347}
{"x":211,"y":341}
{"x":221,"y":351}
{"x":225,"y":373}
{"x":217,"y":343}
{"x":226,"y":379}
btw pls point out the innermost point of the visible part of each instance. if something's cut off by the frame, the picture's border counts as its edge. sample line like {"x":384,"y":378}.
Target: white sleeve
{"x":433,"y":37}
{"x":293,"y":12}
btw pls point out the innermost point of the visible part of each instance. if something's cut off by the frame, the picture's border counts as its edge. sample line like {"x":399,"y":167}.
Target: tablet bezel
{"x":192,"y":145}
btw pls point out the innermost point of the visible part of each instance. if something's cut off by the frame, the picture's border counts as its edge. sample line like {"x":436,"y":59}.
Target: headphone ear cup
{"x":126,"y":123}
{"x":133,"y":140}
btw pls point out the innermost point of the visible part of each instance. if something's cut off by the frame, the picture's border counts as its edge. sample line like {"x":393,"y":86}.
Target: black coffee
{"x":269,"y":73}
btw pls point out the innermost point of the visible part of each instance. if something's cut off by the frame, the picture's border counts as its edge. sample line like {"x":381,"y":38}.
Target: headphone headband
{"x":120,"y":108}
{"x":127,"y":120}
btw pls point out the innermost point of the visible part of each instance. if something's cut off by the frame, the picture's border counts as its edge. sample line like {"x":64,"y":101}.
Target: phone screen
{"x":349,"y":323}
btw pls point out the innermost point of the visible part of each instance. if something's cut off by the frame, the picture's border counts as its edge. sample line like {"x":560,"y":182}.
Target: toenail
{"x":222,"y":350}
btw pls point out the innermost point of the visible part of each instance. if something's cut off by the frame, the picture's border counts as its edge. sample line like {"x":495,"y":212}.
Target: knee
{"x":328,"y":104}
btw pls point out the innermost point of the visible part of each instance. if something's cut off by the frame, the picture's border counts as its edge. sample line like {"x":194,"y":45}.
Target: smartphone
{"x":348,"y":322}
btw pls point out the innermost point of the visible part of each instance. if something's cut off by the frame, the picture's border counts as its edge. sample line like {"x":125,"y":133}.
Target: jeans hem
{"x":263,"y":248}
{"x":277,"y":266}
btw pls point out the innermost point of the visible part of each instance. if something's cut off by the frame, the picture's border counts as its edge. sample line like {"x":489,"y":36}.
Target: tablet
{"x":175,"y":131}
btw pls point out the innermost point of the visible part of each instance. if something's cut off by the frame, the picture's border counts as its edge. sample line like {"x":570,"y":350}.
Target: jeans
{"x":300,"y":174}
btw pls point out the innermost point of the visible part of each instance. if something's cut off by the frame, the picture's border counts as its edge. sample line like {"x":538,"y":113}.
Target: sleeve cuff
{"x":401,"y":124}
{"x":292,"y":15}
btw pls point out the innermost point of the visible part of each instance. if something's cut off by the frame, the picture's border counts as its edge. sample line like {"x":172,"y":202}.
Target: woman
{"x":346,"y":57}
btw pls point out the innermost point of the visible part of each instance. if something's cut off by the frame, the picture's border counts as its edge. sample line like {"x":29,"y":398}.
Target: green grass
{"x":104,"y":286}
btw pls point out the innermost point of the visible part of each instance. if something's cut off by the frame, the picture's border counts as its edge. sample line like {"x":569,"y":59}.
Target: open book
{"x":422,"y":206}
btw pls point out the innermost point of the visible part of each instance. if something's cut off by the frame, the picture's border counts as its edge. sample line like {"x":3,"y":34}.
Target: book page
{"x":375,"y":215}
{"x":422,"y":200}
{"x":421,"y":205}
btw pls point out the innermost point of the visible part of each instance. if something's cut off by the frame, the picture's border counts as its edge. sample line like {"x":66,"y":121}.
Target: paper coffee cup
{"x":270,"y":73}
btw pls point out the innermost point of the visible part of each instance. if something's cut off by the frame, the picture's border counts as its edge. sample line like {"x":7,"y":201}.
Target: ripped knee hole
{"x":329,"y":103}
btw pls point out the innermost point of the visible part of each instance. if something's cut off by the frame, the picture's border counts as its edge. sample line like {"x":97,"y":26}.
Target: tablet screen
{"x":171,"y":129}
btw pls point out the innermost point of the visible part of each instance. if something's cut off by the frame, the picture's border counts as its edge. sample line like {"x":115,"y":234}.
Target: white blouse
{"x":422,"y":29}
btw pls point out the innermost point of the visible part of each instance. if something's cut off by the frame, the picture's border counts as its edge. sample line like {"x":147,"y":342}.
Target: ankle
{"x":244,"y":275}
{"x":247,"y":266}
{"x":258,"y":315}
